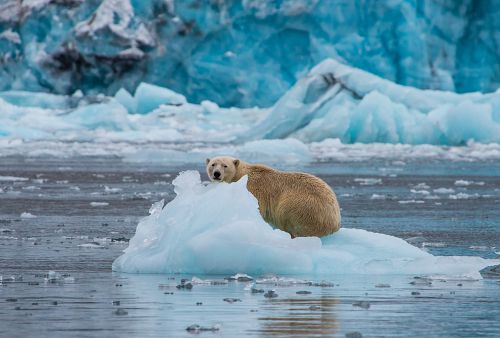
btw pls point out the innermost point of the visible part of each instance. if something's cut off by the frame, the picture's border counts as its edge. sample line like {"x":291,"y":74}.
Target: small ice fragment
{"x":99,"y":204}
{"x":195,"y":328}
{"x":12,"y":179}
{"x":377,"y":197}
{"x":362,"y":304}
{"x":52,"y":277}
{"x":39,"y":180}
{"x":479,"y":247}
{"x":120,"y":312}
{"x":231,"y":300}
{"x":27,"y":215}
{"x":271,"y":294}
{"x":433,"y":245}
{"x":411,"y":201}
{"x":463,"y":196}
{"x":421,"y":186}
{"x":240,"y":277}
{"x":421,"y":192}
{"x":255,"y":290}
{"x":185,"y":285}
{"x":90,"y":245}
{"x":368,"y":181}
{"x":111,"y":190}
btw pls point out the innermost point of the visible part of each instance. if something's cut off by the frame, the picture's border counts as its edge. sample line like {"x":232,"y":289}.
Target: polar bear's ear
{"x":207,"y":161}
{"x":236,"y":162}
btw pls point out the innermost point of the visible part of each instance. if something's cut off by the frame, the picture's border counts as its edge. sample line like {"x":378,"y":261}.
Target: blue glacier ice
{"x":244,"y":53}
{"x":217,"y":229}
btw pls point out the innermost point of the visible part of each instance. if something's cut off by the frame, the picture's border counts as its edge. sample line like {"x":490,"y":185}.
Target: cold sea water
{"x":64,"y":221}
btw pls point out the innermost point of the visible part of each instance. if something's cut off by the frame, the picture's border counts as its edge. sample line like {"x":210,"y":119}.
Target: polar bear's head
{"x":222,"y":168}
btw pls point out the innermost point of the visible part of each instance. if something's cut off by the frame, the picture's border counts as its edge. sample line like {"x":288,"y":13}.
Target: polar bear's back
{"x":299,"y":203}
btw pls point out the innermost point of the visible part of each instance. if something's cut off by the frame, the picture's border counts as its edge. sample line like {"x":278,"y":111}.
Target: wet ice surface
{"x":78,"y":241}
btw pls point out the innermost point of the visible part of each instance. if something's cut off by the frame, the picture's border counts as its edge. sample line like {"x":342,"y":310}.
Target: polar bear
{"x":301,"y":204}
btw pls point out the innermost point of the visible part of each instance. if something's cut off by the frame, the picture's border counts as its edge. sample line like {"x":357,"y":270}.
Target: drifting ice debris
{"x":231,"y":300}
{"x":362,"y":304}
{"x":99,"y":204}
{"x":120,"y":312}
{"x":271,"y":294}
{"x":27,"y":215}
{"x":239,"y":277}
{"x":254,"y":290}
{"x":185,"y":285}
{"x":195,"y":328}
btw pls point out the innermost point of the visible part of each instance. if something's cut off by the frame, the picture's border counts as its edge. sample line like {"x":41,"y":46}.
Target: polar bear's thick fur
{"x":298,"y":203}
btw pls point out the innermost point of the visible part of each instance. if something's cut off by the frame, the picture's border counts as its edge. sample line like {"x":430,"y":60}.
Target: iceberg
{"x":198,"y":233}
{"x":243,"y":53}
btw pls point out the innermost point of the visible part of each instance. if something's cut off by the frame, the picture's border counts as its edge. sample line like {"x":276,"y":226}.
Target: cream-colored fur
{"x":298,"y":203}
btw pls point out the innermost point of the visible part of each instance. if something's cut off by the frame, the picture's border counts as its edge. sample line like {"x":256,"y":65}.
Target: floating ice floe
{"x":99,"y":204}
{"x":27,"y":215}
{"x":13,"y":179}
{"x":217,"y":229}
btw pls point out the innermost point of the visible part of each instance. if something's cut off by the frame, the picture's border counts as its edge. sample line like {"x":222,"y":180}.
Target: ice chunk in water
{"x":217,"y":229}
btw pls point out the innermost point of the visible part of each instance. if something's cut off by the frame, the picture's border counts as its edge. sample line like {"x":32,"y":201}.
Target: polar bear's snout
{"x":217,"y":175}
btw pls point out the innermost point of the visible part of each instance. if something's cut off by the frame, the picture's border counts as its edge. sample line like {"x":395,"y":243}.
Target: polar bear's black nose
{"x":216,"y":174}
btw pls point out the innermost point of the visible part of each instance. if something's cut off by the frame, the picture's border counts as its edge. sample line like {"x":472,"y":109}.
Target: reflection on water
{"x":298,"y":317}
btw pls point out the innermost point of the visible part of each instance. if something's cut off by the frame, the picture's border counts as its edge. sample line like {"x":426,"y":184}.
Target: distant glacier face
{"x":244,"y":53}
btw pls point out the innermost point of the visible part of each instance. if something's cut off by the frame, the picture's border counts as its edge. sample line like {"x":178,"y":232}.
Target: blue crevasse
{"x":244,"y":53}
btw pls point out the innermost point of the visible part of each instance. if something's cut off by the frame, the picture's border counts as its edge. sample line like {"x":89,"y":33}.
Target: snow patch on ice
{"x":193,"y":234}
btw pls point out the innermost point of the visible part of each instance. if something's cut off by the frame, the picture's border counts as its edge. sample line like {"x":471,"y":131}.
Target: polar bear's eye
{"x":225,"y":166}
{"x":213,"y":164}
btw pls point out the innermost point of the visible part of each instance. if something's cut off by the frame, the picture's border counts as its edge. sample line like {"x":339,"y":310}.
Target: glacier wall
{"x":332,"y":101}
{"x":244,"y":53}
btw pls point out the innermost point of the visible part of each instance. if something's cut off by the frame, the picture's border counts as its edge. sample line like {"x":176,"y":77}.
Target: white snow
{"x":193,"y":234}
